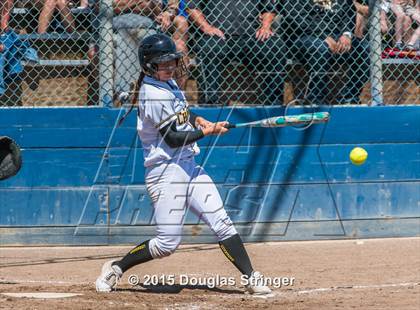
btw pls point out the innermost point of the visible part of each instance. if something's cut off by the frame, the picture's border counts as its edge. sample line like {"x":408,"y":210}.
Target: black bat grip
{"x":230,"y":126}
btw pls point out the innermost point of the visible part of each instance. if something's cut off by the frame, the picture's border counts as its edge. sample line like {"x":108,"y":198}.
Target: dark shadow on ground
{"x":176,"y":289}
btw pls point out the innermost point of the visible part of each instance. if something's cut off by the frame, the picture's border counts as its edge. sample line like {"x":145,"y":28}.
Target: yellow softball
{"x":358,"y":156}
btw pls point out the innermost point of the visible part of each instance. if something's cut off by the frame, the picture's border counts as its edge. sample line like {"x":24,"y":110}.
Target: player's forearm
{"x":176,"y":139}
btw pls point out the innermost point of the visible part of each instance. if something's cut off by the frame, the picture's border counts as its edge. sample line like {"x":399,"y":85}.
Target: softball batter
{"x":169,"y":131}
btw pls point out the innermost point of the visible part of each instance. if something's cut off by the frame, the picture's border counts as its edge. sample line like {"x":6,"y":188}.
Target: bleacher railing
{"x":268,"y":52}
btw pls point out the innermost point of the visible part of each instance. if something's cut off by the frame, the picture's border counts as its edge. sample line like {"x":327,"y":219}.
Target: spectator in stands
{"x":179,"y":31}
{"x":401,"y":22}
{"x":406,"y":10}
{"x":362,"y":14}
{"x":133,"y":21}
{"x":362,"y":10}
{"x":84,"y":4}
{"x":178,"y":28}
{"x":385,"y":8}
{"x":48,"y":10}
{"x":232,"y":29}
{"x":323,"y":34}
{"x":5,"y":8}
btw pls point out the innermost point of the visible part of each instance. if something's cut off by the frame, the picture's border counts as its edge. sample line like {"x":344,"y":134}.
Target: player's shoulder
{"x":153,"y":92}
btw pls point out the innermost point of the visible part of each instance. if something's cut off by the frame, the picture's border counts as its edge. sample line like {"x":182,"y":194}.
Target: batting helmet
{"x":159,"y":48}
{"x":10,"y":158}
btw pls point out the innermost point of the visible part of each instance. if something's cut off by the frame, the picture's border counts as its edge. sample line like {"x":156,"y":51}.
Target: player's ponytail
{"x":135,"y":97}
{"x":137,"y":89}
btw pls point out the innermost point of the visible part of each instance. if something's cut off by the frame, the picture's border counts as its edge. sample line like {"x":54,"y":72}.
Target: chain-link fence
{"x":62,"y":52}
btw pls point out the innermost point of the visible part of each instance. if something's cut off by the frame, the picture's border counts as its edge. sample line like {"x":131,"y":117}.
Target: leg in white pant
{"x":173,"y":189}
{"x":206,"y":202}
{"x":168,"y":187}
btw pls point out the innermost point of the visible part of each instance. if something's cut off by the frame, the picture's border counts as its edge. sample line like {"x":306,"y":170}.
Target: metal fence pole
{"x":106,"y":58}
{"x":375,"y":40}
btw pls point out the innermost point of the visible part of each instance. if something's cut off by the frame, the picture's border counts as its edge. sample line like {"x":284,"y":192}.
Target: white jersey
{"x":161,"y":103}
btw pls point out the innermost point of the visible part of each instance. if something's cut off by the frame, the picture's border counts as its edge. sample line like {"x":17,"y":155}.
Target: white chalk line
{"x":280,"y":293}
{"x":337,"y":288}
{"x":276,"y":293}
{"x":14,"y":281}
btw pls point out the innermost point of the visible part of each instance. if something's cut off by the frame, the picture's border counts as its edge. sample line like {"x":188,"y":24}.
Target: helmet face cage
{"x":151,"y":67}
{"x":181,"y":69}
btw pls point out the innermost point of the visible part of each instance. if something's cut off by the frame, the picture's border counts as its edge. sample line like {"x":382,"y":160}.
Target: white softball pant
{"x":173,"y":188}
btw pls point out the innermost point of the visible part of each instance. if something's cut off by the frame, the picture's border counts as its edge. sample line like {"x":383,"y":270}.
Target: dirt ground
{"x":352,"y":274}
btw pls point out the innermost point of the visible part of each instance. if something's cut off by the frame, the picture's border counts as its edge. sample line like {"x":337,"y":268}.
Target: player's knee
{"x":223,"y":227}
{"x":164,"y":245}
